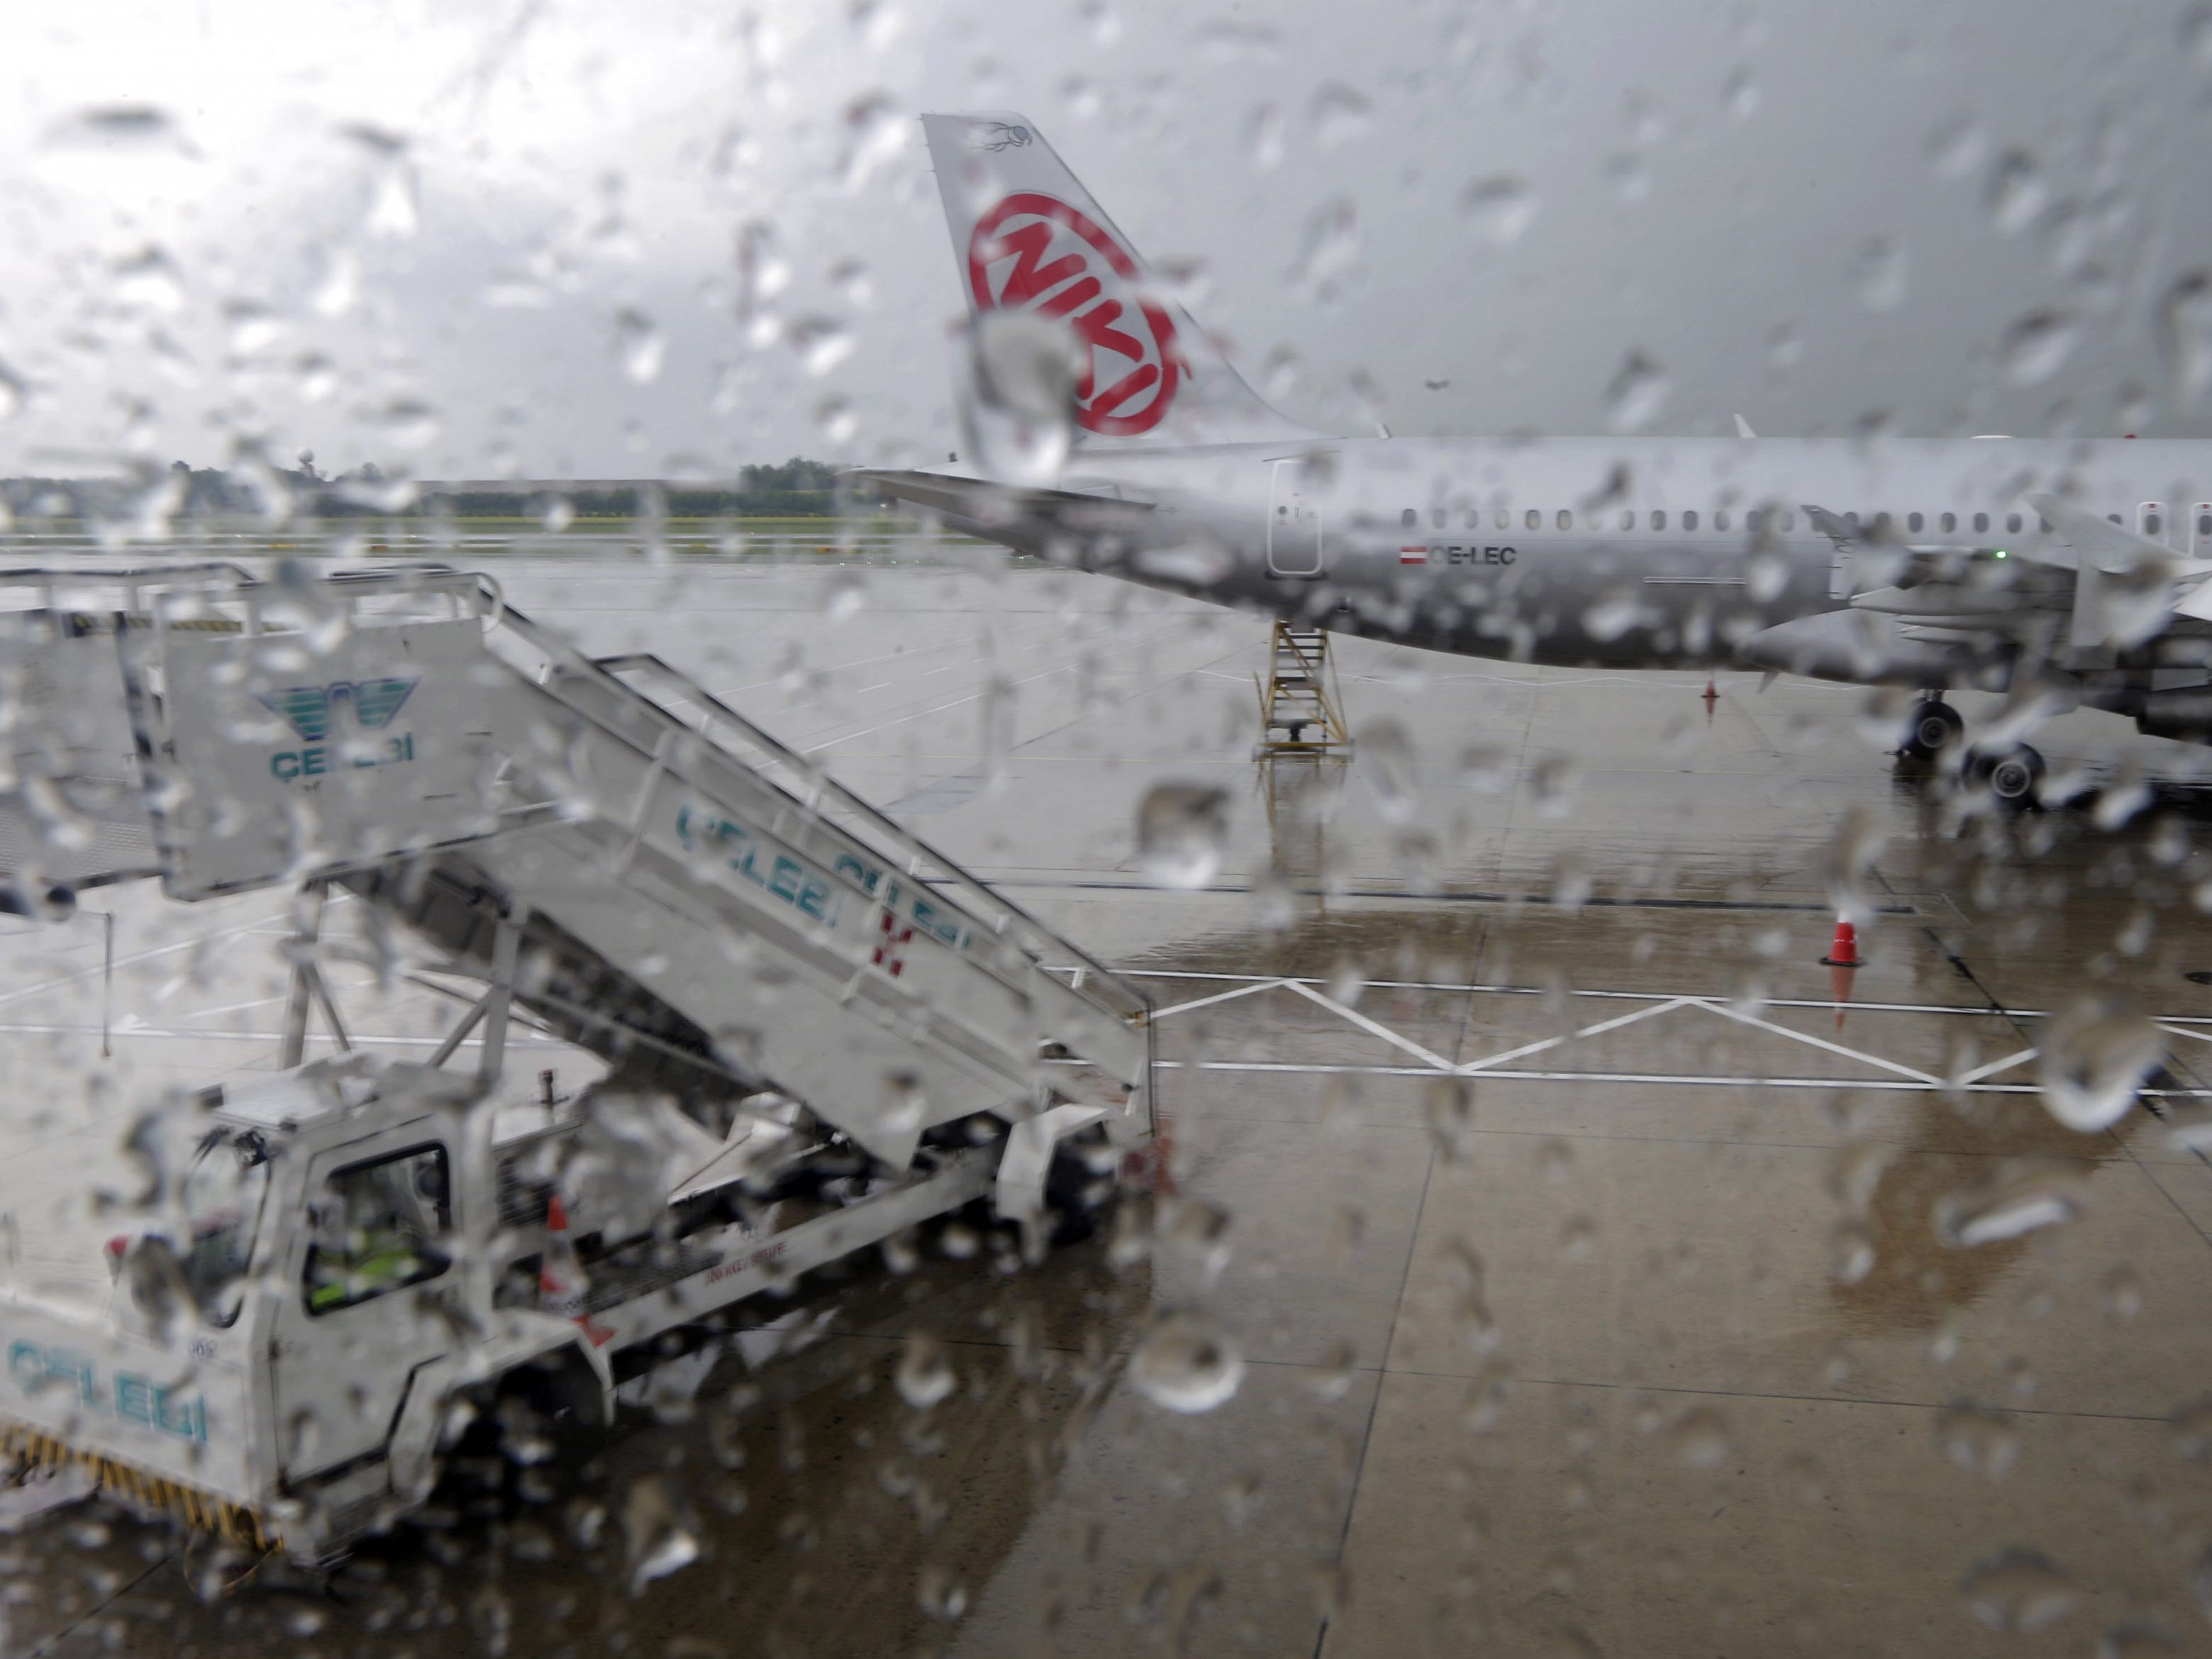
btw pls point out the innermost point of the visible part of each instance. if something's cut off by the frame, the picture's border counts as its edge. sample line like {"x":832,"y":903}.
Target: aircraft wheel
{"x":2013,"y":778}
{"x":1934,"y":727}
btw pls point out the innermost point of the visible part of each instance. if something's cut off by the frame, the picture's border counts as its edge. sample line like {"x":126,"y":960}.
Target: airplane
{"x":1107,"y":431}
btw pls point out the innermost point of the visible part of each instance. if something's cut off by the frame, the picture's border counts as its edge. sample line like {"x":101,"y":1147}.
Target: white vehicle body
{"x":821,"y":1032}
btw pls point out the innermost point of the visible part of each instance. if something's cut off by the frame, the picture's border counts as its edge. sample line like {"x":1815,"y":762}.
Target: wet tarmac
{"x":1604,"y":1268}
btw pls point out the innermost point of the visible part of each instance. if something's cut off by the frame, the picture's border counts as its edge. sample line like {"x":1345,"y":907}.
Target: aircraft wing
{"x":1007,"y":510}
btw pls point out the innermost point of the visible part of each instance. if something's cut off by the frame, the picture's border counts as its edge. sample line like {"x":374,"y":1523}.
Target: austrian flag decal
{"x":1034,"y":252}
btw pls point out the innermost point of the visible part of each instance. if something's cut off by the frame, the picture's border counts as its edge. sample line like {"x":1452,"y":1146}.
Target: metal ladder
{"x":1299,"y":710}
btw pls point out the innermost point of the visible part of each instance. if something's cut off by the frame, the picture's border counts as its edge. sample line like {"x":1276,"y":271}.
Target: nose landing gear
{"x":1934,"y":727}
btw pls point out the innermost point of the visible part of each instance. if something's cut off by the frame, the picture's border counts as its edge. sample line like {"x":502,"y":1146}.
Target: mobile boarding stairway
{"x":601,"y":844}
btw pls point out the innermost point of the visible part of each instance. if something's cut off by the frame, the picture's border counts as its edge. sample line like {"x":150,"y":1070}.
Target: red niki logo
{"x":1058,"y":263}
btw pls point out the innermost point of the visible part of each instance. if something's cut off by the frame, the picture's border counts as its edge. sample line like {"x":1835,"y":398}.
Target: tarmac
{"x":1608,"y":1275}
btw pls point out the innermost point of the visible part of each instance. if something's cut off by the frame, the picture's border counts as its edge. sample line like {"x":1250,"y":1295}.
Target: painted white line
{"x":1739,"y":1016}
{"x":171,"y":1033}
{"x":1159,"y":1014}
{"x":2011,"y":1060}
{"x":1613,"y":1024}
{"x":1375,"y":1028}
{"x":1139,"y":972}
{"x":1881,"y":1084}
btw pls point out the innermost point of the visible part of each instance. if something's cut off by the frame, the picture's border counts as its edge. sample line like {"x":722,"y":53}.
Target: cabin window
{"x":1659,"y":520}
{"x":378,"y":1227}
{"x":1950,"y":522}
{"x":1981,"y":521}
{"x":1565,"y":520}
{"x":1754,"y":520}
{"x":2114,"y":516}
{"x":1690,"y":519}
{"x":1533,"y":519}
{"x":1883,"y":523}
{"x":1407,"y":520}
{"x":2012,"y":521}
{"x":1436,"y":517}
{"x":2204,"y":524}
{"x":1914,"y":522}
{"x":1721,"y":520}
{"x":1504,"y":519}
{"x":1628,"y":517}
{"x":2153,"y":525}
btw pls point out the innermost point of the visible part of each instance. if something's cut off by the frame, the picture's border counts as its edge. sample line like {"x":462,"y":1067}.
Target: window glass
{"x":1628,"y":517}
{"x":1408,"y":519}
{"x":1950,"y":522}
{"x":1659,"y":519}
{"x":1436,"y":517}
{"x":1504,"y":518}
{"x":1532,"y":519}
{"x":378,"y":1227}
{"x":1721,"y":520}
{"x":1981,"y":521}
{"x":1883,"y":523}
{"x":222,"y":1197}
{"x":1914,"y":521}
{"x":2204,"y":524}
{"x":1564,"y":519}
{"x":2153,"y":525}
{"x":1690,"y":519}
{"x":2012,"y":521}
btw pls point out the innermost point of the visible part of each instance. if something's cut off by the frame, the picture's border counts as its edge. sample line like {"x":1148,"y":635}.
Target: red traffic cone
{"x":1839,"y":990}
{"x":1844,"y":949}
{"x":561,"y":1287}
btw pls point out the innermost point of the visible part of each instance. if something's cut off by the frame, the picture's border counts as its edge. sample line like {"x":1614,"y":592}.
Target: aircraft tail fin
{"x":1026,"y":235}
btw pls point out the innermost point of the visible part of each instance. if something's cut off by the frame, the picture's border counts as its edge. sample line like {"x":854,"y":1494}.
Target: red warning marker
{"x":1839,"y":990}
{"x":891,"y":951}
{"x":1711,"y":697}
{"x":1844,"y":949}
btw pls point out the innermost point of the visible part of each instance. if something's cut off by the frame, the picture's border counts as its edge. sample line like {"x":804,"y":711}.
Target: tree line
{"x":797,"y":487}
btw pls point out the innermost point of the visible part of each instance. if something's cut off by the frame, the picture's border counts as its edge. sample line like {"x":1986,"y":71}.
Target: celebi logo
{"x":314,"y":713}
{"x":1035,"y":252}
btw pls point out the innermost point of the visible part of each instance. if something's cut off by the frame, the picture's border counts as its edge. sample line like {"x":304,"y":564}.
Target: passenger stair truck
{"x":819,"y":1031}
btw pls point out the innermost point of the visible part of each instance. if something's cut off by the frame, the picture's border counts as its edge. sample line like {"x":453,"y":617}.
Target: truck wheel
{"x":1082,"y":1186}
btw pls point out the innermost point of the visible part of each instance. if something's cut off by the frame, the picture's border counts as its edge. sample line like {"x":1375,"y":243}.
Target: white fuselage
{"x":1624,"y":552}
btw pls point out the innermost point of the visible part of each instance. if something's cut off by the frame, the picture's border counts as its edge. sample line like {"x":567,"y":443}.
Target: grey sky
{"x":1706,"y":181}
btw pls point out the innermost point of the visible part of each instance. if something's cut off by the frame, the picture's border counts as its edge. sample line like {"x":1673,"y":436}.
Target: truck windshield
{"x":223,"y":1200}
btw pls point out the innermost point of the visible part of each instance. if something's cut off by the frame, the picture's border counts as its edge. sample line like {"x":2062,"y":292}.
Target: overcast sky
{"x":569,"y":238}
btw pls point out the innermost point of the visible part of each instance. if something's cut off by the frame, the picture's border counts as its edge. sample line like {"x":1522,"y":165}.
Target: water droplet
{"x":1339,"y":114}
{"x":1699,"y":1438}
{"x":2017,"y":1591}
{"x":1017,"y":398}
{"x":1740,"y":94}
{"x":1198,"y":1232}
{"x":1635,"y":394}
{"x":2094,"y":1057}
{"x":1263,"y":136}
{"x":2121,"y":1295}
{"x":1385,"y":759}
{"x":660,"y":1540}
{"x":2016,"y":192}
{"x":1187,"y":1365}
{"x":1329,"y":249}
{"x":1182,"y":833}
{"x":1448,"y":1103}
{"x":875,"y":132}
{"x":2019,"y":1196}
{"x":639,"y":345}
{"x":924,"y":1374}
{"x":821,"y":342}
{"x":1332,"y":1378}
{"x":1957,"y":147}
{"x":15,"y":393}
{"x":1577,"y":1238}
{"x":2037,"y":346}
{"x":835,"y":419}
{"x":1501,"y":206}
{"x":121,"y":129}
{"x":391,"y":208}
{"x":1880,"y":273}
{"x":1980,"y":1441}
{"x":941,"y":1593}
{"x":2192,"y":1430}
{"x":2135,"y":1641}
{"x":2184,"y":337}
{"x":405,"y":422}
{"x":1851,"y":1252}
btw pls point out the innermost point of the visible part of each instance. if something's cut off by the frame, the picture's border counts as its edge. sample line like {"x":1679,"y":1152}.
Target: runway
{"x":1608,"y":1275}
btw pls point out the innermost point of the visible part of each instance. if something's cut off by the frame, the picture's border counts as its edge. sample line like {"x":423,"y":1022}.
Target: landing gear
{"x":1934,"y":727}
{"x":2012,"y":778}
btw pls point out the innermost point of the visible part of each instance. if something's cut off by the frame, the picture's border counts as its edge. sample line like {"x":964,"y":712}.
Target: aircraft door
{"x":1294,"y":544}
